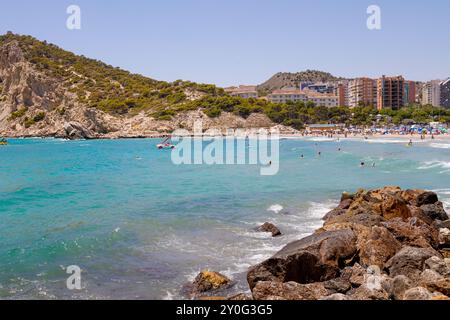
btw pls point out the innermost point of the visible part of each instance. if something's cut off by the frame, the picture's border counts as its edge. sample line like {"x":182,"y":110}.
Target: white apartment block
{"x":243,"y":92}
{"x":431,"y":93}
{"x":283,"y":96}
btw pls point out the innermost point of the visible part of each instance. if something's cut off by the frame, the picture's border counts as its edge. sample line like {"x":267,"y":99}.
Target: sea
{"x":139,"y":226}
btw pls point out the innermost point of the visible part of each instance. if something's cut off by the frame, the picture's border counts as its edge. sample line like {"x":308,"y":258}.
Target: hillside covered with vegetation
{"x":119,"y":92}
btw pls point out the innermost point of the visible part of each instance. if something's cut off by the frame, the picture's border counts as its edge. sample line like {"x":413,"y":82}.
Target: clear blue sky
{"x":246,"y":41}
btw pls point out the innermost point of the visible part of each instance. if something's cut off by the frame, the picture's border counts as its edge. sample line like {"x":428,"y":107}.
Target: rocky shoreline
{"x":384,"y":244}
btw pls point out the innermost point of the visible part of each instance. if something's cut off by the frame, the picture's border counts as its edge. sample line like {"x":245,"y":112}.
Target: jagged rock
{"x":357,"y":275}
{"x":418,"y":293}
{"x":312,"y":259}
{"x":347,"y":196}
{"x":429,"y":276}
{"x":435,"y":211}
{"x":340,"y":210}
{"x":385,"y":202}
{"x":416,"y":212}
{"x":438,"y":265}
{"x":75,"y":130}
{"x":410,"y":261}
{"x":398,"y":286}
{"x":441,"y":285}
{"x":372,"y":288}
{"x":334,"y":213}
{"x":440,"y":298}
{"x":378,"y":248}
{"x":336,"y":296}
{"x":413,"y":232}
{"x":426,"y":198}
{"x":208,"y":281}
{"x":444,"y":237}
{"x":240,"y":297}
{"x":270,"y":228}
{"x":289,"y":291}
{"x":445,"y":224}
{"x":338,"y":285}
{"x":364,"y":219}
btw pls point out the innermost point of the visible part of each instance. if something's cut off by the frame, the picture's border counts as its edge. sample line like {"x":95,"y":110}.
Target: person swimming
{"x":410,"y":144}
{"x":363,"y":164}
{"x":319,"y":153}
{"x":302,"y":156}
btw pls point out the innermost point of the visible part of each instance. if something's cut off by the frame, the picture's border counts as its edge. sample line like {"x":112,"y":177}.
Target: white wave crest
{"x":440,"y":145}
{"x":435,"y":164}
{"x":277,"y":208}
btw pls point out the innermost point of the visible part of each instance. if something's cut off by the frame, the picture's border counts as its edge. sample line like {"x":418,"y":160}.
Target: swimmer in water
{"x":363,"y":164}
{"x":339,"y":149}
{"x":302,"y":156}
{"x":320,"y":153}
{"x":410,"y":143}
{"x":374,"y":165}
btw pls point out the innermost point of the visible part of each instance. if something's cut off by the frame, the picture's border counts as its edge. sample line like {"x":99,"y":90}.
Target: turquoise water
{"x":141,"y":227}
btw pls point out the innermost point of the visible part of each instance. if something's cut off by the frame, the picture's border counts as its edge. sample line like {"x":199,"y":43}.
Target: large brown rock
{"x":440,"y":266}
{"x":378,"y":247}
{"x":435,"y":211}
{"x":312,"y":259}
{"x":208,"y":281}
{"x":417,"y":293}
{"x":386,"y":202}
{"x":398,"y":286}
{"x":413,"y":232}
{"x":410,"y":261}
{"x":270,"y":228}
{"x":425,"y":198}
{"x":266,"y":290}
{"x":441,"y":286}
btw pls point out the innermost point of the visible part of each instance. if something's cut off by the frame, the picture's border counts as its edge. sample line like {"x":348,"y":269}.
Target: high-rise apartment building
{"x":409,"y":92}
{"x":431,"y":93}
{"x":445,"y":93}
{"x":362,"y":91}
{"x":390,"y":92}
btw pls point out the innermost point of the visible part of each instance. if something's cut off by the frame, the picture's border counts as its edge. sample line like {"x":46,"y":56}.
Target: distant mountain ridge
{"x":292,"y":80}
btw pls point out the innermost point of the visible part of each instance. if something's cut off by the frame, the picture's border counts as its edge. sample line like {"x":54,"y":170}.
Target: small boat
{"x":165,"y":144}
{"x":3,"y":142}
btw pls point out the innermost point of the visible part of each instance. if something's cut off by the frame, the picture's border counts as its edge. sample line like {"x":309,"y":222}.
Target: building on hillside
{"x":243,"y":91}
{"x":295,"y":95}
{"x":362,"y":91}
{"x":390,"y":92}
{"x":324,"y":88}
{"x":285,"y":95}
{"x":431,"y":93}
{"x":445,"y":93}
{"x":409,"y":92}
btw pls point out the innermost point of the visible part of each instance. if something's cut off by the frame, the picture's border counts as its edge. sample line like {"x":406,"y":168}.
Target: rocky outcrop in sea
{"x":385,"y":244}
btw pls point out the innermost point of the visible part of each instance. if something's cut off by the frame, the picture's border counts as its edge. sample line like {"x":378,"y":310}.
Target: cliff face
{"x":35,"y":102}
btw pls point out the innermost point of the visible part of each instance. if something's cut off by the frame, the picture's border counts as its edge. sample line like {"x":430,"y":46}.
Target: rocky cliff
{"x":48,"y":92}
